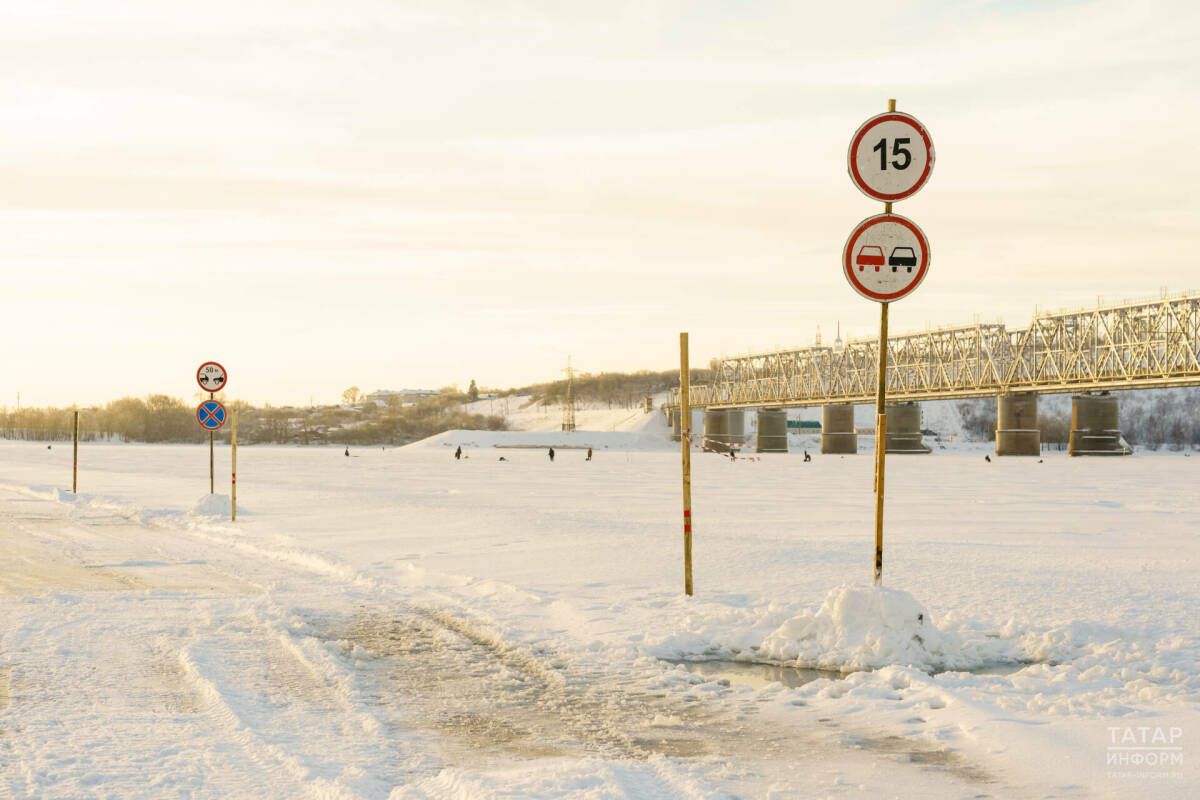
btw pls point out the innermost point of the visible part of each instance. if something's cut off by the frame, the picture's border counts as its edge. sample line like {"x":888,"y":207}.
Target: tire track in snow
{"x":511,"y":699}
{"x":593,"y":715}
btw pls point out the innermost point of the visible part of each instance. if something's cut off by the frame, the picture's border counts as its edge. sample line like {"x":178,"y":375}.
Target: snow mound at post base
{"x":861,"y":628}
{"x":213,"y":505}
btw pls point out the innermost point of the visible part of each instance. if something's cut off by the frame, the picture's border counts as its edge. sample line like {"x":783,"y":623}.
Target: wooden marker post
{"x":685,"y":438}
{"x":211,"y":465}
{"x":887,"y":256}
{"x":75,"y":458}
{"x":233,"y":457}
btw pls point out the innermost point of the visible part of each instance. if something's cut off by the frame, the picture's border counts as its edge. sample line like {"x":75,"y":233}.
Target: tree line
{"x":162,"y":418}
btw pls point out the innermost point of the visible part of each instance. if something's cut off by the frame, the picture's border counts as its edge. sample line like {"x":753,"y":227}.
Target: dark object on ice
{"x":589,"y":455}
{"x":921,"y":619}
{"x":502,"y":458}
{"x":49,"y":446}
{"x":347,"y":452}
{"x":458,"y":453}
{"x":1039,"y":461}
{"x":551,"y":454}
{"x":987,"y":458}
{"x":807,"y":457}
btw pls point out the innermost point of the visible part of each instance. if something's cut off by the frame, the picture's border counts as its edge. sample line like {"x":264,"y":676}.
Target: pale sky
{"x":395,"y":194}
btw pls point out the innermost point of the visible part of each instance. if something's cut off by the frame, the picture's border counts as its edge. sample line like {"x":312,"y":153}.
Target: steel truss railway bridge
{"x":1141,"y":345}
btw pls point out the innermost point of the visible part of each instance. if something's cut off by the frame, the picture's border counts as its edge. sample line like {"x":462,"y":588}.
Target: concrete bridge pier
{"x":1095,"y":429}
{"x":676,"y":423}
{"x":904,"y":429}
{"x":1017,"y":432}
{"x":724,"y":429}
{"x":837,"y":429}
{"x":772,"y":431}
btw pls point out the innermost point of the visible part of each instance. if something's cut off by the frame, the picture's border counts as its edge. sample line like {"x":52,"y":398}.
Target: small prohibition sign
{"x":211,"y":415}
{"x":211,"y":376}
{"x":886,"y":257}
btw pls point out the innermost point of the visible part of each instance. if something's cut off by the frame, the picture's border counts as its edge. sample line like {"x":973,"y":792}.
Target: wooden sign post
{"x":685,"y":437}
{"x":886,"y":257}
{"x":211,"y":414}
{"x":75,"y":458}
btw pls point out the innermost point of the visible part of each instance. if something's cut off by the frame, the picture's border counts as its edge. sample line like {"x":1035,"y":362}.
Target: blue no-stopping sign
{"x":211,"y":415}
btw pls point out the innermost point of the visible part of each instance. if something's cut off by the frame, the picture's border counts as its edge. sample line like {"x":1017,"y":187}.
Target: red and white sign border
{"x":848,"y":256}
{"x":863,"y":130}
{"x":224,"y":371}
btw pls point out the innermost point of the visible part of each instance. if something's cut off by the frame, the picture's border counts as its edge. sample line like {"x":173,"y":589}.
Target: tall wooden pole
{"x":685,"y":438}
{"x":75,"y":458}
{"x":233,"y":457}
{"x":881,"y":422}
{"x":880,"y":439}
{"x":212,"y":486}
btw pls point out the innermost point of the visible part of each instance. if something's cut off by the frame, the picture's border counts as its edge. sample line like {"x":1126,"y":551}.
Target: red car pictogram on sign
{"x":869,"y":256}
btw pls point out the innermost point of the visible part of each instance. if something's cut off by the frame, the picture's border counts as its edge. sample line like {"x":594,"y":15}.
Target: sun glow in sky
{"x":395,"y":194}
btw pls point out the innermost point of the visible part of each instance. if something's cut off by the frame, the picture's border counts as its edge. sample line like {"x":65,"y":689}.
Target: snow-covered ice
{"x":405,"y":625}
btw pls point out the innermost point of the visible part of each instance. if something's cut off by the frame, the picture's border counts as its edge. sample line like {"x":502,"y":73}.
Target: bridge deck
{"x":1146,"y":345}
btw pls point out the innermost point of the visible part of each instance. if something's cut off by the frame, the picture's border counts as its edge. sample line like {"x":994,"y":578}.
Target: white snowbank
{"x":859,"y":628}
{"x":213,"y":505}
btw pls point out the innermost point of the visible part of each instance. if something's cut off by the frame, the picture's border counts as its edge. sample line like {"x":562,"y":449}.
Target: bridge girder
{"x":1142,"y":345}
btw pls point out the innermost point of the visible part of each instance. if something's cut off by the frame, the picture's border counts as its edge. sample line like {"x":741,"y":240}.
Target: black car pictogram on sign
{"x":902,"y":257}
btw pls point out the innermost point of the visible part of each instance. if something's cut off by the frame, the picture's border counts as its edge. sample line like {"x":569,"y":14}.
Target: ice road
{"x":400,"y":624}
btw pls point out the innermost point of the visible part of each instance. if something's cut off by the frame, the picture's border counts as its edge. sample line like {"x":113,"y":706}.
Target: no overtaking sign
{"x":886,"y":257}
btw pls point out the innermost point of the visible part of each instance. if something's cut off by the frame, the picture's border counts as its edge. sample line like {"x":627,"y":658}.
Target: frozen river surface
{"x":401,"y":624}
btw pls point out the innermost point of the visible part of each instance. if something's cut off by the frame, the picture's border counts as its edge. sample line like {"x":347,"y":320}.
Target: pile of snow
{"x":859,"y":628}
{"x":213,"y":505}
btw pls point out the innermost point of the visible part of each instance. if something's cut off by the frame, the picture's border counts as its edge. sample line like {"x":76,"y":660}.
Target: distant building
{"x":383,"y":397}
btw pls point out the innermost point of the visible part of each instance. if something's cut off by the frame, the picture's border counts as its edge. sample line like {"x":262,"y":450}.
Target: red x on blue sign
{"x":211,"y":415}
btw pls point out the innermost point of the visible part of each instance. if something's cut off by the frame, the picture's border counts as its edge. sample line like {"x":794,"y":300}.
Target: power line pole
{"x":569,"y":402}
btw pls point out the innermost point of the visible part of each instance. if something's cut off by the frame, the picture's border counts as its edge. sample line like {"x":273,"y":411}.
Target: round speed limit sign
{"x":890,"y":157}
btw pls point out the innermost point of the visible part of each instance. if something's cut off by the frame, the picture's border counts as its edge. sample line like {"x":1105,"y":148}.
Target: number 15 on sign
{"x":890,"y":157}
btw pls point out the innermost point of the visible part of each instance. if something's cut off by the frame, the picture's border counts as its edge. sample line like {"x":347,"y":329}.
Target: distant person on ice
{"x":458,"y":453}
{"x":551,"y":454}
{"x":589,"y":456}
{"x":807,"y":457}
{"x":347,"y":452}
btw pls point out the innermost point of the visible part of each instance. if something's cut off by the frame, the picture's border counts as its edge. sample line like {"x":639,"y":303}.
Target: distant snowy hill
{"x":527,"y":413}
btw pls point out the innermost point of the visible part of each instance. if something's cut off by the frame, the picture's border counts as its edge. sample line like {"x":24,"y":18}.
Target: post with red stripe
{"x":685,"y":430}
{"x":75,"y":457}
{"x":233,"y":459}
{"x":887,"y":256}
